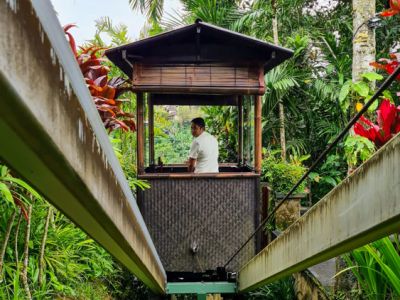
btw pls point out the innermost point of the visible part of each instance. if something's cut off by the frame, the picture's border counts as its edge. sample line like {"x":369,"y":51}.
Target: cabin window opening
{"x":171,"y":138}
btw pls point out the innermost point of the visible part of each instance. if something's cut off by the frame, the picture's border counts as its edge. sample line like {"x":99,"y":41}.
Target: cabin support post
{"x":140,"y":131}
{"x":257,"y":134}
{"x":151,"y":130}
{"x":240,"y":127}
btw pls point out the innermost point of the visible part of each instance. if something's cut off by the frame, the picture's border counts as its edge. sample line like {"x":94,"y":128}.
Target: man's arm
{"x":194,"y":152}
{"x":191,"y":164}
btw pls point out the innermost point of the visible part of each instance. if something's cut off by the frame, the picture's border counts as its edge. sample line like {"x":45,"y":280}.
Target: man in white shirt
{"x":203,"y":155}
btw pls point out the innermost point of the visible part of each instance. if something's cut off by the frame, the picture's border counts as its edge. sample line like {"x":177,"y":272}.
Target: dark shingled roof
{"x":199,"y":43}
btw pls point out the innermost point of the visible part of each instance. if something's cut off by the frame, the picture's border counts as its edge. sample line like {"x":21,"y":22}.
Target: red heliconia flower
{"x":387,"y":114}
{"x":367,"y":129}
{"x":393,"y":10}
{"x":396,"y":126}
{"x":388,"y":118}
{"x":388,"y":65}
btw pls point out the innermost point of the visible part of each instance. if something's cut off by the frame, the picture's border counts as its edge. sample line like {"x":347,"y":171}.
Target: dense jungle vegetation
{"x":308,"y":101}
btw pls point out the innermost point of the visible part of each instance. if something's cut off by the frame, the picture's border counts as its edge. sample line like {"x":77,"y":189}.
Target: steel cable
{"x":380,"y":90}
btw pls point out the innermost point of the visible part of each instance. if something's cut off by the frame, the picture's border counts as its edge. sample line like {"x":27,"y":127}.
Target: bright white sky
{"x":84,"y":12}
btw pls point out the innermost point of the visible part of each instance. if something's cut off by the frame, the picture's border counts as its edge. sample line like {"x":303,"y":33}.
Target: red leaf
{"x":72,"y":44}
{"x":105,"y":108}
{"x":108,"y":92}
{"x":104,"y":92}
{"x":386,"y":117}
{"x":101,"y":81}
{"x":71,"y":39}
{"x":101,"y":100}
{"x":20,"y":204}
{"x":116,"y":82}
{"x":377,"y":65}
{"x":131,"y":124}
{"x":367,"y":129}
{"x":393,"y":10}
{"x":120,"y":124}
{"x":389,"y":13}
{"x":388,"y":65}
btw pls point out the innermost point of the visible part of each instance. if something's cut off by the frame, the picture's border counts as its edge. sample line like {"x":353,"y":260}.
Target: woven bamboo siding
{"x":217,"y":214}
{"x":198,"y":78}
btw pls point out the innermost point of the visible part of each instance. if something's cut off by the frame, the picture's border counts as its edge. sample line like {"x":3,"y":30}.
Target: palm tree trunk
{"x":43,"y":245}
{"x":5,"y":242}
{"x":364,"y":38}
{"x":24,"y":272}
{"x":280,"y":105}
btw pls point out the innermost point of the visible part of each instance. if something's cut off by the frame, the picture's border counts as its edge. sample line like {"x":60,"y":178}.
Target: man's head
{"x":198,"y":126}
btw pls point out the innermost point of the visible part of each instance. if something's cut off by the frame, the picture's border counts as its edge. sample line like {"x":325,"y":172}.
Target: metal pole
{"x":140,"y":132}
{"x":257,"y":134}
{"x":151,"y":130}
{"x":240,"y":127}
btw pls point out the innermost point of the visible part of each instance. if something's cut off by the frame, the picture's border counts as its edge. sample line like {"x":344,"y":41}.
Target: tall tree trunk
{"x":16,"y":239}
{"x":43,"y":245}
{"x":24,"y":272}
{"x":5,"y":242}
{"x":280,"y":105}
{"x":364,"y":38}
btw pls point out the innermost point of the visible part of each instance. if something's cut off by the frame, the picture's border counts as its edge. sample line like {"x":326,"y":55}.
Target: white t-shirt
{"x":205,"y":150}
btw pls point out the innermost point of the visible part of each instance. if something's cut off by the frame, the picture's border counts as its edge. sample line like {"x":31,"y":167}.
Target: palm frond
{"x":152,"y":8}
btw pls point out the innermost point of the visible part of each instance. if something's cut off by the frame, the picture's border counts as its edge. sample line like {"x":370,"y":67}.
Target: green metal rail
{"x":201,"y":289}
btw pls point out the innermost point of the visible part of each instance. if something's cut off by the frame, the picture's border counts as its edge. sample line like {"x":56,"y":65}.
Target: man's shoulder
{"x":210,"y":136}
{"x":207,"y":139}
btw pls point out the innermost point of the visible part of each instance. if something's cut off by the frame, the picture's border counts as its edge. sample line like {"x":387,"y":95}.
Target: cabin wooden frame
{"x":199,"y":64}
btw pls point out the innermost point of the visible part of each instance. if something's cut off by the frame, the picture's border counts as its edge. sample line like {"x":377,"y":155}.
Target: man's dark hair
{"x":199,"y":122}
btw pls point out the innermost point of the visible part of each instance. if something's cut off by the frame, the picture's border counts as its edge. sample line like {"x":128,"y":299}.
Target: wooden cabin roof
{"x":196,"y":44}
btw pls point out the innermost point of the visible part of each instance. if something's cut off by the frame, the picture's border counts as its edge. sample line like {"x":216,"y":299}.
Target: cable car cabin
{"x":197,"y":221}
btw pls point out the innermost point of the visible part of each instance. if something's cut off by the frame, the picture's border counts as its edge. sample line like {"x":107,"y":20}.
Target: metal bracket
{"x":125,"y":58}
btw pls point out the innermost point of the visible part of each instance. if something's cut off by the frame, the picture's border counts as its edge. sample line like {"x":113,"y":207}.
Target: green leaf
{"x":372,"y":76}
{"x":388,"y":95}
{"x":314,"y":176}
{"x":329,"y":180}
{"x":24,"y":185}
{"x":391,"y":276}
{"x":361,"y":88}
{"x":6,"y":193}
{"x":373,"y":106}
{"x":341,"y":78}
{"x":344,"y":91}
{"x":3,"y":171}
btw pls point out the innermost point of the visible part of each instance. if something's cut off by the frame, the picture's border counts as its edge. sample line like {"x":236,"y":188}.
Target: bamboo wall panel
{"x":217,"y":214}
{"x":159,"y":77}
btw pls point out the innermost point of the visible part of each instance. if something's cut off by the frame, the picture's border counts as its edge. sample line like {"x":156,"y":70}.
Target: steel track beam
{"x":363,"y":208}
{"x":52,"y":136}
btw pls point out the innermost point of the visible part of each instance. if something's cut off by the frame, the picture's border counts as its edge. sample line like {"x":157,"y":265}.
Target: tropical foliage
{"x":103,"y":89}
{"x":283,"y":175}
{"x":42,"y":254}
{"x":376,"y":267}
{"x":45,"y":256}
{"x":281,"y":289}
